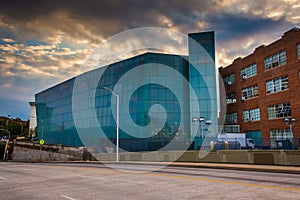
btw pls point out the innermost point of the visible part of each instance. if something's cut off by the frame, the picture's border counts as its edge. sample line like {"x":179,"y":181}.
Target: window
{"x":233,"y":128}
{"x":279,"y":134}
{"x":277,"y":84}
{"x":279,"y":110}
{"x":229,"y":80}
{"x":298,"y":50}
{"x":231,"y":118}
{"x":251,"y":115}
{"x":231,"y":98}
{"x":250,"y":92}
{"x":275,"y":60}
{"x":248,"y":71}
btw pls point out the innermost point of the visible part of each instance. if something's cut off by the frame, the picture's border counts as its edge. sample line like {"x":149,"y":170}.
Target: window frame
{"x":249,"y":71}
{"x":275,"y":110}
{"x":275,"y":60}
{"x":233,"y":118}
{"x":251,"y":92}
{"x":251,"y":115}
{"x":279,"y":134}
{"x":277,"y":84}
{"x":229,"y":78}
{"x":232,"y":98}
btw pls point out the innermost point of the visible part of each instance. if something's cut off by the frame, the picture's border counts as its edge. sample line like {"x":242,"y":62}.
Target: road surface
{"x":36,"y":181}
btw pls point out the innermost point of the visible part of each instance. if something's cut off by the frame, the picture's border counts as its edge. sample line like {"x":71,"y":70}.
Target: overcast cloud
{"x":44,"y":42}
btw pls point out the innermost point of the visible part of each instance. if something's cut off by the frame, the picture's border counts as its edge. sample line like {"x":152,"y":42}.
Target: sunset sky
{"x":44,"y":42}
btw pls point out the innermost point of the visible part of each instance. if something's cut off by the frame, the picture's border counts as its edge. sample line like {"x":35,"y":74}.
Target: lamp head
{"x":208,"y":122}
{"x":195,"y":119}
{"x":201,"y":119}
{"x":286,"y":120}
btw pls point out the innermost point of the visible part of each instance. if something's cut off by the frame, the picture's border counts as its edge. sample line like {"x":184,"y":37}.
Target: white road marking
{"x":64,"y":196}
{"x":28,"y":169}
{"x":3,"y":178}
{"x":95,"y":178}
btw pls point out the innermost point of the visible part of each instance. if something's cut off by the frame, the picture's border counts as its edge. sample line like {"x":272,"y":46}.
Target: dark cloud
{"x":51,"y":38}
{"x":118,"y":15}
{"x":108,"y":17}
{"x":242,"y":26}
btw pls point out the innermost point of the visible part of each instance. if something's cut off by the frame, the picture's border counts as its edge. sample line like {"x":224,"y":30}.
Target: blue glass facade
{"x":155,"y":103}
{"x":202,"y":77}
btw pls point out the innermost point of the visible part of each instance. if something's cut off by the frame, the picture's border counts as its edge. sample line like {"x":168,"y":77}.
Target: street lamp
{"x":7,"y":120}
{"x":290,"y":122}
{"x":202,"y":122}
{"x":42,"y":138}
{"x":117,"y":122}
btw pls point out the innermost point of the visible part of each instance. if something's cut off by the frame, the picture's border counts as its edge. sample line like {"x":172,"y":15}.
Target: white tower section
{"x":32,"y":120}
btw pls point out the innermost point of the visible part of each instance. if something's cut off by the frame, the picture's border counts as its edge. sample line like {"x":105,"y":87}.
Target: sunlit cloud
{"x":49,"y":42}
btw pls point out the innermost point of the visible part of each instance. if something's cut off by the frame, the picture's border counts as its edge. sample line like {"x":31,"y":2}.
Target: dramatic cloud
{"x":45,"y":42}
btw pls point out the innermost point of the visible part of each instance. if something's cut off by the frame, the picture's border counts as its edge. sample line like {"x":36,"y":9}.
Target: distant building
{"x":262,"y":89}
{"x":32,"y":120}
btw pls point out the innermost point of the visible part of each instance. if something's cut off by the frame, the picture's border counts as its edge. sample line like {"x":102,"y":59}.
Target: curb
{"x":224,"y":166}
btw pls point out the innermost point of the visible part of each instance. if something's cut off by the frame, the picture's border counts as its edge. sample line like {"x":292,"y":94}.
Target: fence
{"x":156,"y":144}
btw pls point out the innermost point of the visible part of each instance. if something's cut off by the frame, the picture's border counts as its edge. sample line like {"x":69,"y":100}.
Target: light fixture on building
{"x":202,"y":122}
{"x":290,"y":122}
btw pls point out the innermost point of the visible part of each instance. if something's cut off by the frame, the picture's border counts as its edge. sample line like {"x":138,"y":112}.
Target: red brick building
{"x":264,"y":88}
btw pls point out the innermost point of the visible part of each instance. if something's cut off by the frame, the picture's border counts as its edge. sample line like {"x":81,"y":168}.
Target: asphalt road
{"x":96,"y":181}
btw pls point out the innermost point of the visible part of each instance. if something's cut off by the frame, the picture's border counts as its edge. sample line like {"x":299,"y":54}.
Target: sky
{"x":44,"y":42}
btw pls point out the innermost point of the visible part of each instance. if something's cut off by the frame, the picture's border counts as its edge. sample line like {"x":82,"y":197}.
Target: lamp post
{"x":5,"y":154}
{"x":202,"y":122}
{"x":7,"y":120}
{"x":42,"y":128}
{"x":117,"y":121}
{"x":290,"y":122}
{"x":42,"y":138}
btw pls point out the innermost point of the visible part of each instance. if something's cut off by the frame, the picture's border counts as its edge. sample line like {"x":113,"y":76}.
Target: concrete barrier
{"x":23,"y":151}
{"x":31,"y":152}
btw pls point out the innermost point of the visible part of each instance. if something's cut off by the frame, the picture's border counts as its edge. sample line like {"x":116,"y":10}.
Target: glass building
{"x":158,"y":94}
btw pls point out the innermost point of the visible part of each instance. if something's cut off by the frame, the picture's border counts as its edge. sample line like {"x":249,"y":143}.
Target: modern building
{"x":262,"y":89}
{"x":157,"y":96}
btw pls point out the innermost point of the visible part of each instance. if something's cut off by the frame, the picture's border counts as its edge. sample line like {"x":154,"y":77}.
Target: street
{"x":83,"y":181}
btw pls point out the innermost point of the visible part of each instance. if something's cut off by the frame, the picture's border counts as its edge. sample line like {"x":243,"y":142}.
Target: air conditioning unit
{"x":243,"y":99}
{"x":229,"y":83}
{"x":244,"y":76}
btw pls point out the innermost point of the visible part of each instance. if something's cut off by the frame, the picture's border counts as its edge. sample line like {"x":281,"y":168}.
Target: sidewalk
{"x":246,"y":167}
{"x":228,"y":166}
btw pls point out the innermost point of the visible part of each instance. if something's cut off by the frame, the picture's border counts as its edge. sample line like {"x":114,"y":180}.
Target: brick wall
{"x":289,"y":43}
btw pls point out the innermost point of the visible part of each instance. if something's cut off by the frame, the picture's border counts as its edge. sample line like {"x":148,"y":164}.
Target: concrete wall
{"x":31,"y":152}
{"x":264,"y":157}
{"x":268,"y":157}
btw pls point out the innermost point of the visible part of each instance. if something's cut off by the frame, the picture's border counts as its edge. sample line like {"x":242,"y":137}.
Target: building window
{"x":279,"y":110}
{"x":298,"y":50}
{"x":279,"y":134}
{"x":229,"y":80}
{"x":251,"y":115}
{"x":250,"y":92}
{"x":275,"y":60}
{"x":231,"y":118}
{"x":231,"y":98}
{"x":277,"y":84}
{"x":248,"y":71}
{"x":232,"y":128}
